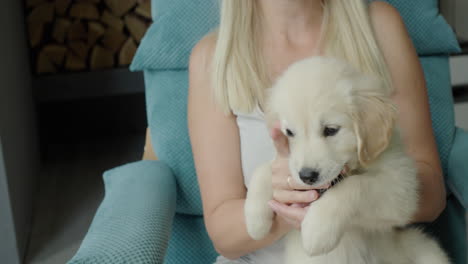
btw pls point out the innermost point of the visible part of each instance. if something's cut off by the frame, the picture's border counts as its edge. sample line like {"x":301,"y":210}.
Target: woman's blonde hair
{"x":239,"y":72}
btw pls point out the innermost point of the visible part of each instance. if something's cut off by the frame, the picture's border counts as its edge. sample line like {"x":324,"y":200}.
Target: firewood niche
{"x":85,"y":35}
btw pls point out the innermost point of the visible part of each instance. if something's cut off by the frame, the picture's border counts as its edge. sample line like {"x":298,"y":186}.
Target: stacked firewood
{"x":83,"y":35}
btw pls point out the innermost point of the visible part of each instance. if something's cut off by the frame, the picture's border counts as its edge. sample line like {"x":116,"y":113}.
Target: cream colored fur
{"x":362,"y":219}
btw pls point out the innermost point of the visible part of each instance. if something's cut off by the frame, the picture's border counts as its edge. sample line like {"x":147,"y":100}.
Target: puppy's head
{"x":334,"y":117}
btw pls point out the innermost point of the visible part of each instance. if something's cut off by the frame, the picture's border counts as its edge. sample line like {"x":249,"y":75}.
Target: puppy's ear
{"x":374,"y":117}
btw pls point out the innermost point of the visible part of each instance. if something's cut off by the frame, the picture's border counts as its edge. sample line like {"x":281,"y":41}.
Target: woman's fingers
{"x":290,"y":222}
{"x":280,"y":181}
{"x":301,"y":205}
{"x":280,"y":141}
{"x":295,"y":197}
{"x":293,"y":215}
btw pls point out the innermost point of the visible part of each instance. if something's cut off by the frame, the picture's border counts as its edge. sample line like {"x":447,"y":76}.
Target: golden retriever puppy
{"x":342,"y":134}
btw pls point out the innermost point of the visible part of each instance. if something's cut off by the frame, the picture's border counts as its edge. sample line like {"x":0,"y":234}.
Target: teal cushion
{"x":166,"y":98}
{"x":179,"y":24}
{"x":428,"y":29}
{"x":134,"y":221}
{"x":450,"y":230}
{"x":458,"y":167}
{"x":189,"y":242}
{"x":437,"y":75}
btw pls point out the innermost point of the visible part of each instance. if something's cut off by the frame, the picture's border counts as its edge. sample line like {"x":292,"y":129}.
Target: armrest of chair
{"x":133,"y":223}
{"x":458,"y":167}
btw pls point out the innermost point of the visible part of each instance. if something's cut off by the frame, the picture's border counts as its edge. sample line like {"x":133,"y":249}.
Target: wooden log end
{"x":84,"y":11}
{"x":56,"y":53}
{"x":74,"y":63}
{"x":79,"y":48}
{"x":113,"y":39}
{"x":136,"y":26}
{"x":95,"y":31}
{"x":60,"y":29}
{"x":61,"y":6}
{"x":112,"y":21}
{"x":77,"y":31}
{"x":127,"y":52}
{"x":120,"y":7}
{"x":44,"y":64}
{"x":43,"y":13}
{"x":144,"y":9}
{"x":35,"y":32}
{"x":101,"y":58}
{"x":34,"y":3}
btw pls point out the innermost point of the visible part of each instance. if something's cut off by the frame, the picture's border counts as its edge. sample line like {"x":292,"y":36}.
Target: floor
{"x":461,"y":115}
{"x":70,"y":191}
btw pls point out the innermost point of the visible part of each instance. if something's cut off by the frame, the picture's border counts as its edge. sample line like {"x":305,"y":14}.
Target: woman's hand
{"x":290,"y":199}
{"x":291,"y":214}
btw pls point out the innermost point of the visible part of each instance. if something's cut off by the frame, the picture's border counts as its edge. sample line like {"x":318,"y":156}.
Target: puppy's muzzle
{"x":309,"y":176}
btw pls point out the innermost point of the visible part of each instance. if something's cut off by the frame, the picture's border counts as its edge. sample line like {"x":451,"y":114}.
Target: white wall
{"x":461,"y":18}
{"x":18,"y":148}
{"x":447,"y":8}
{"x":455,"y":12}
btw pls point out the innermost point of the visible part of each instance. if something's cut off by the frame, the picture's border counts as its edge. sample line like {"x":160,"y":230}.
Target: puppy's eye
{"x":330,"y":131}
{"x":289,"y":133}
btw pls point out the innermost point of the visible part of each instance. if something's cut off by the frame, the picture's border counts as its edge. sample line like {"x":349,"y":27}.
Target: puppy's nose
{"x":309,"y":176}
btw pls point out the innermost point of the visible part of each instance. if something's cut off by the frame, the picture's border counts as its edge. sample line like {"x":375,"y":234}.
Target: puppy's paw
{"x":259,"y":219}
{"x":319,"y":236}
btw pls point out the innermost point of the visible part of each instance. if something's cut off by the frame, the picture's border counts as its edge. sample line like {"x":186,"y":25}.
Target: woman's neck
{"x":290,"y":22}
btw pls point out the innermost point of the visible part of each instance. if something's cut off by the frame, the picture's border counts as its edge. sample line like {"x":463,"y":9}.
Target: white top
{"x":256,"y":148}
{"x":256,"y":144}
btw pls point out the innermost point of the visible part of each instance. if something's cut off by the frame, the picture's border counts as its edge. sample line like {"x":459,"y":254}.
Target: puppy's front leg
{"x":352,"y":202}
{"x":258,"y":215}
{"x":324,"y":223}
{"x":374,"y":200}
{"x":387,"y":198}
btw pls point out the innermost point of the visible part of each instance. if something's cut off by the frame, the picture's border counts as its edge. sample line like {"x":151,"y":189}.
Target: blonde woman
{"x":230,"y":72}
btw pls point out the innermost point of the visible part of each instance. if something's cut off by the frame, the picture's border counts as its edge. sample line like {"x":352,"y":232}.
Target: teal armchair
{"x":152,"y":212}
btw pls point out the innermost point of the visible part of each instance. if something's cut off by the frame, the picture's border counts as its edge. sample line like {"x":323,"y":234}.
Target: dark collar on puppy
{"x":343,"y":175}
{"x":337,"y":180}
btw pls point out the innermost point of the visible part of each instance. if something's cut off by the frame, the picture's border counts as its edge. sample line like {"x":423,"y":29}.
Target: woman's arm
{"x":216,"y":151}
{"x":412,"y":101}
{"x":148,"y":152}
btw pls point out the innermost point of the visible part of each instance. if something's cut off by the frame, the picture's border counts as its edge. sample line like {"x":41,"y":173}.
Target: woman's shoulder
{"x":202,"y":52}
{"x":384,"y":15}
{"x":199,"y":68}
{"x":389,"y":27}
